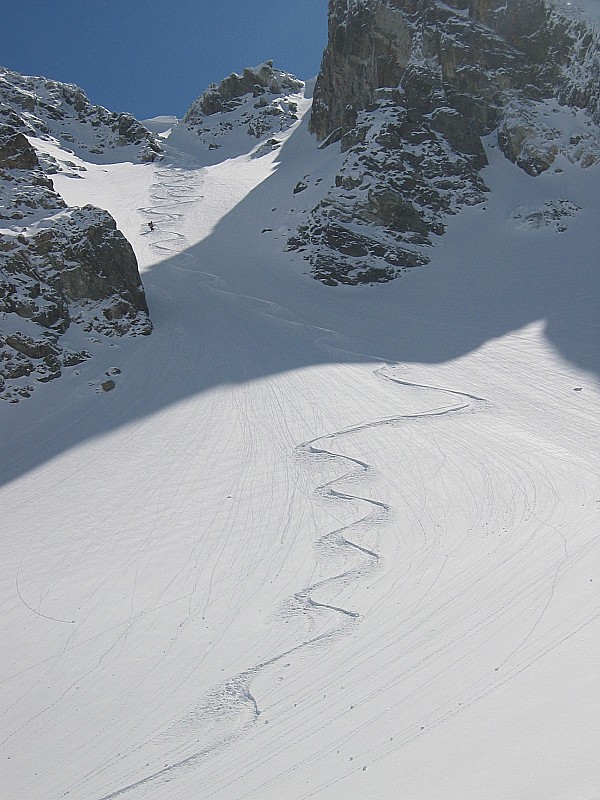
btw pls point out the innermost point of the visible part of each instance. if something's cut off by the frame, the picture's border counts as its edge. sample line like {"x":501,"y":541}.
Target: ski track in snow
{"x":349,"y":555}
{"x":234,"y":699}
{"x":171,"y":193}
{"x":236,"y":690}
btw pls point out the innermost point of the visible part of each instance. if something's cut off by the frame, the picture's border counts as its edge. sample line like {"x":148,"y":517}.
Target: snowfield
{"x":318,"y":542}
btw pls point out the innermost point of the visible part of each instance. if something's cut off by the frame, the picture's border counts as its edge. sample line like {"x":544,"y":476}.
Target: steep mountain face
{"x":63,"y":266}
{"x":59,"y":266}
{"x":409,"y":87}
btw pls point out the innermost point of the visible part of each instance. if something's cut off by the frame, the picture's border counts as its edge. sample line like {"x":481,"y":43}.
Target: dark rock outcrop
{"x":24,"y":188}
{"x":256,"y":81}
{"x":15,"y":150}
{"x":399,"y":180}
{"x":470,"y":56}
{"x":78,"y":270}
{"x":409,"y":87}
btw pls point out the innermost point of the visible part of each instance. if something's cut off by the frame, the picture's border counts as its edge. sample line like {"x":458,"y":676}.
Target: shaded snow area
{"x":317,"y":542}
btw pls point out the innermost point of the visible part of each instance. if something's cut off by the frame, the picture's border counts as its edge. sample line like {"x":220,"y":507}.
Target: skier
{"x":151,"y":225}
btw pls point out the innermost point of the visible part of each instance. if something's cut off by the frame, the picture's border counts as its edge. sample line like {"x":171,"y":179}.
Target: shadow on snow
{"x":236,"y":307}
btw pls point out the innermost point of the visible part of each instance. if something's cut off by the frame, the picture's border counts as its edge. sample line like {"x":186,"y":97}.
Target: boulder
{"x":15,"y":150}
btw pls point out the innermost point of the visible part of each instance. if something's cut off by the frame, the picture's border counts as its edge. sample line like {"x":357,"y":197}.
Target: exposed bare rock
{"x":437,"y":56}
{"x":256,"y":81}
{"x":472,"y":55}
{"x":76,"y":269}
{"x":560,"y":46}
{"x":15,"y":150}
{"x":400,"y":179}
{"x":24,"y":188}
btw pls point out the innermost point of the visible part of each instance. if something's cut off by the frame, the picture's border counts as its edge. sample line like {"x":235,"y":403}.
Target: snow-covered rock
{"x":243,"y":113}
{"x":553,"y":214}
{"x":58,"y":266}
{"x":61,"y":111}
{"x":399,"y":181}
{"x":72,"y":267}
{"x":532,"y":135}
{"x":26,"y":193}
{"x":409,"y":89}
{"x":228,"y":94}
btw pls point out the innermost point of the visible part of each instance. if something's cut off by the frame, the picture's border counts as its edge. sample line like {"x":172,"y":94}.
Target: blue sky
{"x":155,"y":57}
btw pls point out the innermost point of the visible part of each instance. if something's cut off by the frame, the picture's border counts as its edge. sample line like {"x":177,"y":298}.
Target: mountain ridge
{"x":59,"y":266}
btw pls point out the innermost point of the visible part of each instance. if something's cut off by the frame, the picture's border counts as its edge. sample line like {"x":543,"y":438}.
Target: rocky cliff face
{"x":409,"y":87}
{"x":59,"y":266}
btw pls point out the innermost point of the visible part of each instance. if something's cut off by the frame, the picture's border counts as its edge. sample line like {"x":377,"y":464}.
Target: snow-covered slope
{"x":243,"y":113}
{"x":318,"y":542}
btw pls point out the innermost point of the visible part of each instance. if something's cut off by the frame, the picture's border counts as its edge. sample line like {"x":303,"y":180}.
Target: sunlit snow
{"x":318,"y":542}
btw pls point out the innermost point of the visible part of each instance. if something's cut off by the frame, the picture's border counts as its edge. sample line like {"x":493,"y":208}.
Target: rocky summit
{"x":409,"y":88}
{"x":260,"y":103}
